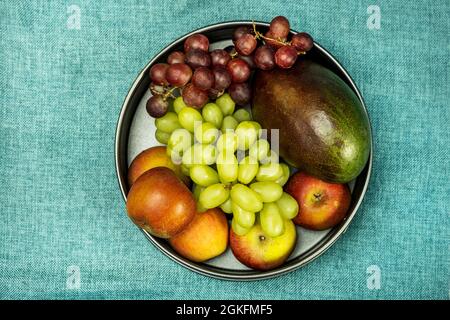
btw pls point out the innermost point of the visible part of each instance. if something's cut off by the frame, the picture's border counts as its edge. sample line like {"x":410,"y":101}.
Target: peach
{"x":204,"y":238}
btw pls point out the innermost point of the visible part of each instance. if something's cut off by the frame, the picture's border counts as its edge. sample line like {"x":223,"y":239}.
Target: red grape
{"x":194,"y":97}
{"x":157,"y":106}
{"x":158,"y":73}
{"x":178,"y":74}
{"x":246,"y":44}
{"x":222,"y":78}
{"x":264,"y":58}
{"x":302,"y":41}
{"x":196,"y":41}
{"x":239,"y":70}
{"x":175,"y":57}
{"x":285,"y":57}
{"x":279,"y":27}
{"x":274,"y":42}
{"x":219,"y":57}
{"x":239,"y":32}
{"x":249,"y":59}
{"x":203,"y":78}
{"x":198,"y":58}
{"x":240,"y":93}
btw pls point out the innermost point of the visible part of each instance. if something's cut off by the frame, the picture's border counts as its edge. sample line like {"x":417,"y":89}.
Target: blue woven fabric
{"x":61,"y":88}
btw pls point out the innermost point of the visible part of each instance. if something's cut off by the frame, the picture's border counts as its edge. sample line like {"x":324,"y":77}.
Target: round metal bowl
{"x":133,"y":134}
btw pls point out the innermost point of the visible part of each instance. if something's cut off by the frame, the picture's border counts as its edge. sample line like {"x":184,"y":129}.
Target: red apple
{"x":259,"y":251}
{"x":322,"y":205}
{"x":204,"y":238}
{"x":160,"y":203}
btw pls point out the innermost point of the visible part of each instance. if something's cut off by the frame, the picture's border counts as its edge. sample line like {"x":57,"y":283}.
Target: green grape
{"x":287,"y":206}
{"x":189,"y":118}
{"x":226,"y":206}
{"x":214,"y":195}
{"x":180,"y":140}
{"x":246,"y":198}
{"x":203,"y":175}
{"x":268,"y":191}
{"x":184,"y":169}
{"x":227,"y":167}
{"x":208,"y":154}
{"x":273,"y":157}
{"x":179,"y":104}
{"x":206,"y":133}
{"x":200,"y":154}
{"x":248,"y":168}
{"x":229,"y":123}
{"x":242,"y":115}
{"x":243,"y":217}
{"x":175,"y":156}
{"x":200,"y":207}
{"x":161,"y":136}
{"x":286,"y":174}
{"x":257,"y":128}
{"x":226,"y":104}
{"x":271,"y":221}
{"x":227,"y":142}
{"x":168,"y":123}
{"x":188,"y":157}
{"x":246,"y":134}
{"x":259,"y":150}
{"x":269,"y":172}
{"x":213,"y":114}
{"x":197,"y":190}
{"x":238,"y":229}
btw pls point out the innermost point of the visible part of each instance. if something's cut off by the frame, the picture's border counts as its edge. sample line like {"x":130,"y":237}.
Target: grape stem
{"x":168,"y":93}
{"x":259,"y":35}
{"x":165,"y":92}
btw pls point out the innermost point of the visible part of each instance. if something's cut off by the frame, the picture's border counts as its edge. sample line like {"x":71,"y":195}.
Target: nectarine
{"x":151,"y":158}
{"x":204,"y":238}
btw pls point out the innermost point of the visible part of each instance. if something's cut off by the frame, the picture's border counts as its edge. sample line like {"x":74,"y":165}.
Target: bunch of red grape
{"x":200,"y":74}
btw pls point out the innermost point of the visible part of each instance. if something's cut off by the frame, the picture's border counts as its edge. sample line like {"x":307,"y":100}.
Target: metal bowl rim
{"x":199,"y":268}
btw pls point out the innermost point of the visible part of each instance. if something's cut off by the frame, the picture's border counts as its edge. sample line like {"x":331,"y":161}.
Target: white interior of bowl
{"x":142,"y":136}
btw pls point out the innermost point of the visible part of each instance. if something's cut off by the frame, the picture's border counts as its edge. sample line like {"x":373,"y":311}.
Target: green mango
{"x":323,"y":128}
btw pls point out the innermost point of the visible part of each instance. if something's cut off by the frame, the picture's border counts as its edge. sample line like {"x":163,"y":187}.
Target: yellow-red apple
{"x":322,"y":205}
{"x":259,"y":251}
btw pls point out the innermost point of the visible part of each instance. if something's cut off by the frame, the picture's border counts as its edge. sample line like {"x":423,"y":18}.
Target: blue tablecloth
{"x":65,"y":69}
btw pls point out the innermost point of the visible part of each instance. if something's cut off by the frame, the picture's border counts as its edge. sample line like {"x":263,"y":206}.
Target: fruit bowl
{"x":135,"y":132}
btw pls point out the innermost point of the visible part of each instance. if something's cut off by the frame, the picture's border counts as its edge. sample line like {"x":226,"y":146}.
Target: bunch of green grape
{"x":231,"y":164}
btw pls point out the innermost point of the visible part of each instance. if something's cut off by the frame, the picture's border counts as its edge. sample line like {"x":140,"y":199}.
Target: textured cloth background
{"x":61,"y":90}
